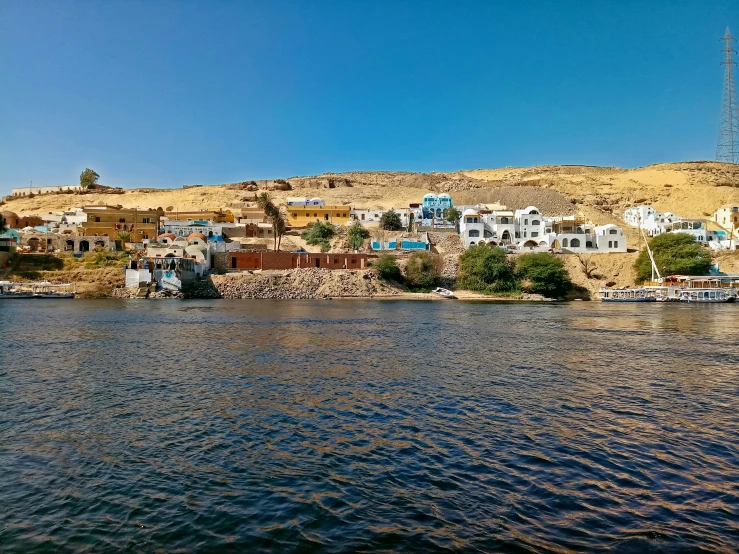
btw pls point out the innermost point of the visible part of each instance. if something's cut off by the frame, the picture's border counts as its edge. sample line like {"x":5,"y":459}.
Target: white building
{"x":372,"y":217}
{"x":655,"y":223}
{"x":69,"y":217}
{"x":302,"y":201}
{"x":529,"y":230}
{"x":25,"y":191}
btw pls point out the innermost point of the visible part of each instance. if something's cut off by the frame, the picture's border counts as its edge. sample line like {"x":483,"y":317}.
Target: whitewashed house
{"x":528,"y":230}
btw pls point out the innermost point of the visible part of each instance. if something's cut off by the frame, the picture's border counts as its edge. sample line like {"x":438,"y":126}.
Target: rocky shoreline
{"x":303,"y":284}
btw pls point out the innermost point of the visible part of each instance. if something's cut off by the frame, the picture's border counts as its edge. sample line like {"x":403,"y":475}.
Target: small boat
{"x":35,"y":290}
{"x":10,"y":290}
{"x":444,"y":293}
{"x":625,"y":295}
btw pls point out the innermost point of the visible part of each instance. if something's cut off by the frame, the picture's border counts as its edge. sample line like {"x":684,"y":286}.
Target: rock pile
{"x":305,"y":283}
{"x":456,"y":186}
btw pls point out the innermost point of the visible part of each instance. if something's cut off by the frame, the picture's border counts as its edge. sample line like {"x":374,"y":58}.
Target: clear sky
{"x":160,"y":93}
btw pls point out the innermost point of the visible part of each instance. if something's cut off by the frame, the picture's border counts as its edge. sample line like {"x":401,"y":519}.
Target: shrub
{"x":543,"y":273}
{"x":357,"y":235}
{"x":486,"y":269}
{"x":423,"y":270}
{"x":387,"y":268}
{"x":674,"y":254}
{"x":390,"y":221}
{"x":319,"y":234}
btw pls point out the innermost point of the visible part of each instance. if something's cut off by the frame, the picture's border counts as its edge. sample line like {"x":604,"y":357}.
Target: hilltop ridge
{"x":691,"y":189}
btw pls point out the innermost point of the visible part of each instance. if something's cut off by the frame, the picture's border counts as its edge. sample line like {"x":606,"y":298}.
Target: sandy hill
{"x":691,"y":189}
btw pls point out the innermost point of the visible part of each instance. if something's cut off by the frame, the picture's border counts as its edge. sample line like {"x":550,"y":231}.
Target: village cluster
{"x":175,"y":246}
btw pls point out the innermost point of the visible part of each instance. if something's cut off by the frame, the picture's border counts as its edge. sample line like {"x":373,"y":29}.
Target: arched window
{"x":122,"y":220}
{"x":575,"y":243}
{"x":615,"y":244}
{"x":610,"y":244}
{"x":536,"y":222}
{"x":564,"y":243}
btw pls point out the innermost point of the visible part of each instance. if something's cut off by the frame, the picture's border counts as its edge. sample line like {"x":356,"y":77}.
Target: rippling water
{"x":349,"y":426}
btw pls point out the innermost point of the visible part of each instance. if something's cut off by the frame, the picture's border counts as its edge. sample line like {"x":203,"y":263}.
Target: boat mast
{"x":649,"y":251}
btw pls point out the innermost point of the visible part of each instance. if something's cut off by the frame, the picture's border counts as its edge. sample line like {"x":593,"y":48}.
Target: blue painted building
{"x":434,"y":206}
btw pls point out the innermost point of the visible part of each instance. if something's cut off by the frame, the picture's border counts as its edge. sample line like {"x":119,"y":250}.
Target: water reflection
{"x":342,"y":426}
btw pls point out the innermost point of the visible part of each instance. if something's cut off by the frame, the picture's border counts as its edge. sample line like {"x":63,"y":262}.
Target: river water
{"x":349,"y":426}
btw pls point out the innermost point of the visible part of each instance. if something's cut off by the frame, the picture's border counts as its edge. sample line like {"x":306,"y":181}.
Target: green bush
{"x":486,"y":269}
{"x":387,"y":268}
{"x":390,"y":221}
{"x":423,"y":270}
{"x":543,"y":273}
{"x":674,"y":254}
{"x":357,"y":235}
{"x":319,"y":234}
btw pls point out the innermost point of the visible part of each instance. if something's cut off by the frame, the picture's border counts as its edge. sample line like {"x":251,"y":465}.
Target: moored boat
{"x":444,"y":293}
{"x":626,"y":295}
{"x":45,"y":289}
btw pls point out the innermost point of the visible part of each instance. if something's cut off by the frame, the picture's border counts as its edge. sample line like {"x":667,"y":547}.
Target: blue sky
{"x":160,"y":93}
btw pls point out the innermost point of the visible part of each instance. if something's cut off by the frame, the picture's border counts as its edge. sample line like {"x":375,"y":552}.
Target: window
{"x":564,"y":243}
{"x":613,"y":232}
{"x":296,"y":215}
{"x":610,"y":244}
{"x":534,"y":234}
{"x":615,"y":244}
{"x":122,"y":220}
{"x":536,"y":222}
{"x":473,"y":233}
{"x":575,"y":243}
{"x":525,"y":221}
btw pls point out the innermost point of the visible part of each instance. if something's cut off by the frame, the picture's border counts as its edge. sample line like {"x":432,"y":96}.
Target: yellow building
{"x":216,"y":215}
{"x":727,"y":216}
{"x":302,"y":216}
{"x":108,"y":221}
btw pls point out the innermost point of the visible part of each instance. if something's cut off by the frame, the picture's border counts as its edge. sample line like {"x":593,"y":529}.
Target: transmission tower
{"x":727,"y":149}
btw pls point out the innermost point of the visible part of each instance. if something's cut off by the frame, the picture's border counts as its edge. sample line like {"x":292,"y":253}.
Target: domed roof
{"x":8,"y":214}
{"x":445,"y":195}
{"x":430,"y":195}
{"x":196,"y":235}
{"x":169,"y":236}
{"x":531,"y":209}
{"x":316,"y":199}
{"x":470,"y":211}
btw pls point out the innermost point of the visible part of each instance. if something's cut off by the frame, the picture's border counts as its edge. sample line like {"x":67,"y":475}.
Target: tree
{"x":390,"y":221}
{"x":319,"y":234}
{"x":357,"y":235}
{"x":543,"y":273}
{"x":587,"y":265}
{"x":423,"y":270}
{"x":486,"y":269}
{"x":3,"y":225}
{"x":89,"y":178}
{"x":674,"y":254}
{"x":453,"y":215}
{"x":274,"y":216}
{"x":123,"y":237}
{"x":387,"y":268}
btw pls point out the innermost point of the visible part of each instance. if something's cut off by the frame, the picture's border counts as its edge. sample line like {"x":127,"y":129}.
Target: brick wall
{"x":288,"y":260}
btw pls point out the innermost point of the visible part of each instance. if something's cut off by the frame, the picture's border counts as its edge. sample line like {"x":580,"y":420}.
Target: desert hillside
{"x":691,"y":189}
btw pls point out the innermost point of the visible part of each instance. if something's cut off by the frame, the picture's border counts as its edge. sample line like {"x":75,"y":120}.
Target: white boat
{"x":626,"y":295}
{"x":10,"y":290}
{"x":44,"y":289}
{"x":706,"y":296}
{"x":444,"y":293}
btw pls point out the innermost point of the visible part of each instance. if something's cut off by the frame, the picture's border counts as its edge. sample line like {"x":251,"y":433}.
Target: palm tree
{"x":274,"y":217}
